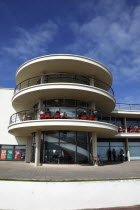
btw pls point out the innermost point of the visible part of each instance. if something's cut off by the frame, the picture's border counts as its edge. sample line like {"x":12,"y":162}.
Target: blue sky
{"x":105,"y":30}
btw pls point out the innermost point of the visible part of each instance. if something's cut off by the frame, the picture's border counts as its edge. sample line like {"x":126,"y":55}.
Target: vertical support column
{"x":92,"y":81}
{"x":40,"y":108}
{"x":127,"y":150}
{"x":37,"y":150}
{"x":125,"y":124}
{"x":94,"y":146}
{"x":28,"y":150}
{"x":42,"y":79}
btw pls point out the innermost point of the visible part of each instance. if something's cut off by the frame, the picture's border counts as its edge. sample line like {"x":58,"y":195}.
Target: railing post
{"x":92,"y":81}
{"x":20,"y":86}
{"x":28,"y":82}
{"x":42,"y":79}
{"x":16,"y":118}
{"x":125,"y":124}
{"x":127,"y":149}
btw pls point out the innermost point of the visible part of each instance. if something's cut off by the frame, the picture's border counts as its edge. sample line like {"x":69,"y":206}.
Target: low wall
{"x":68,"y":195}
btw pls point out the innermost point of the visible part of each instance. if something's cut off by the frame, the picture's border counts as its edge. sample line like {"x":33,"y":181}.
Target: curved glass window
{"x":65,"y":103}
{"x":72,"y":108}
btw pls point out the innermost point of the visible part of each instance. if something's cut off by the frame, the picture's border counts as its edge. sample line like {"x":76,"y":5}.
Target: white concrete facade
{"x":6,"y":110}
{"x":63,"y":77}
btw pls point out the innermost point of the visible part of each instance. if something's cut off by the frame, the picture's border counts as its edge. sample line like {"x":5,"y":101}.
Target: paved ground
{"x":22,"y":170}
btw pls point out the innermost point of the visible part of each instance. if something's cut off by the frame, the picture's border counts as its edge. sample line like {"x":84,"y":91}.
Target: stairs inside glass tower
{"x":64,"y":152}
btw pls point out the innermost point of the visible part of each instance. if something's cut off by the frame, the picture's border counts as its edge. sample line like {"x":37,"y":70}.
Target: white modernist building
{"x":63,"y":111}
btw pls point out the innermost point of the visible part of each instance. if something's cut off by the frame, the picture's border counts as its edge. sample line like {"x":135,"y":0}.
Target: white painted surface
{"x":27,"y":97}
{"x":27,"y":127}
{"x":127,"y":113}
{"x":63,"y":63}
{"x":6,"y":110}
{"x":69,"y":195}
{"x":128,"y":135}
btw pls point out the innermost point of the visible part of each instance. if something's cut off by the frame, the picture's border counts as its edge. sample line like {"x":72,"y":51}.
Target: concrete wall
{"x":6,"y":110}
{"x":68,"y":195}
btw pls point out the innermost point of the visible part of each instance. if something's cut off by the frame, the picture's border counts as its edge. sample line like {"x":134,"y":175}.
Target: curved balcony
{"x":63,"y":63}
{"x":65,"y":86}
{"x":80,"y":119}
{"x":62,"y":78}
{"x":127,"y":110}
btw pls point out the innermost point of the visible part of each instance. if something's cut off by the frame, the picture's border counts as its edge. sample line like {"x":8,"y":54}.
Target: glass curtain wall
{"x":103,"y":146}
{"x":65,"y":147}
{"x":71,"y":107}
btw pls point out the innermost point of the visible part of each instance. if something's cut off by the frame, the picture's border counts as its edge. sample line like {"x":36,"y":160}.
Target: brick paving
{"x":22,"y":170}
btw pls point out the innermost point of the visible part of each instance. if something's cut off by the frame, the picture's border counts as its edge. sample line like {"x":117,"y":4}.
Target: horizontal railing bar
{"x":35,"y":114}
{"x":126,"y":106}
{"x":57,"y":76}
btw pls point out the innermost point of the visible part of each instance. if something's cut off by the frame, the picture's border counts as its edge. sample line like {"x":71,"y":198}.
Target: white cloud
{"x":130,"y":99}
{"x":33,"y":42}
{"x":111,"y":36}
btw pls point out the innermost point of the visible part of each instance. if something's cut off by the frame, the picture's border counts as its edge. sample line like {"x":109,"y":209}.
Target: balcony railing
{"x":130,"y":129}
{"x":62,"y":113}
{"x":125,"y":106}
{"x":62,"y":77}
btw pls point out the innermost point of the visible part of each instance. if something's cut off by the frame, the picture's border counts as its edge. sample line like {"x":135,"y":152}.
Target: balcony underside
{"x":127,"y":135}
{"x":28,"y":97}
{"x":25,"y":128}
{"x":126,"y":113}
{"x":63,"y":63}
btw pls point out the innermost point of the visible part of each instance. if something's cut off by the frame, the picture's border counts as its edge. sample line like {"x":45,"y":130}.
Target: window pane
{"x":7,"y":147}
{"x":20,"y":147}
{"x":52,"y":136}
{"x":67,"y":136}
{"x":134,"y":144}
{"x":102,"y":152}
{"x":70,"y":112}
{"x":134,"y":153}
{"x":118,"y":144}
{"x":101,"y":144}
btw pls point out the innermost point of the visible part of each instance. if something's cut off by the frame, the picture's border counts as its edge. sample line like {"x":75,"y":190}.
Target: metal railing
{"x":129,"y":129}
{"x":69,"y":113}
{"x":125,"y":106}
{"x":62,"y":77}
